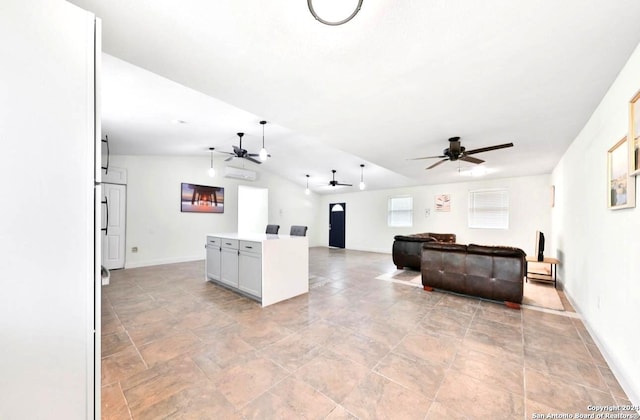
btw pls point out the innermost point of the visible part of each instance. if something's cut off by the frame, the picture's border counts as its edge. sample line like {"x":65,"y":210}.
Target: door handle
{"x":106,"y":140}
{"x":105,"y":229}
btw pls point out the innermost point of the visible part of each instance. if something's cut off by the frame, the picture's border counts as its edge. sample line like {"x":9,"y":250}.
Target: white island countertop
{"x":254,"y":237}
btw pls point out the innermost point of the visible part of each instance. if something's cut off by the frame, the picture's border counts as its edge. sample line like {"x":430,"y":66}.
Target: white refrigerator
{"x":49,"y":237}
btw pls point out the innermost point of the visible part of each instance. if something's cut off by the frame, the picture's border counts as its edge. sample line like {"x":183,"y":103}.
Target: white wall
{"x":253,"y":209}
{"x":47,"y":223}
{"x":366,"y":221}
{"x":600,"y":248}
{"x":164,"y":235}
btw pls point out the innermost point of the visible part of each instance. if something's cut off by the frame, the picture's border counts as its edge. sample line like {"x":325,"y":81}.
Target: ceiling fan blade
{"x":344,"y":185}
{"x":229,"y":158}
{"x":471,"y":159}
{"x":437,"y":163}
{"x":428,"y":157}
{"x":487,"y":149}
{"x":252,"y":160}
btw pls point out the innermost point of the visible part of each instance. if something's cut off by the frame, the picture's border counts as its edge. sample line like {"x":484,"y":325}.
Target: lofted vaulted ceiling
{"x":394,"y":83}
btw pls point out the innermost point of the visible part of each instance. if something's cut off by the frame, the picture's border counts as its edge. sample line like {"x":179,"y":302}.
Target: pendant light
{"x":306,"y":190}
{"x":362,"y":186}
{"x":212,"y":170}
{"x":263,"y":152}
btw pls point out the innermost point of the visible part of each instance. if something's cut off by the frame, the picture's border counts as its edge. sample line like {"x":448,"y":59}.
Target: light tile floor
{"x":175,"y":346}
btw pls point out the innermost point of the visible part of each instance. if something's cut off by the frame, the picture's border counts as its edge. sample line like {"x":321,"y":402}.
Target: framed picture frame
{"x":634,"y":134}
{"x":443,"y":202}
{"x":620,"y":185}
{"x":201,"y":198}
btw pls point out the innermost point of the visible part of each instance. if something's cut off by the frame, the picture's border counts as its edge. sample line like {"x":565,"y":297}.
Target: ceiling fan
{"x":457,"y":152}
{"x":335,"y":183}
{"x":239,"y":152}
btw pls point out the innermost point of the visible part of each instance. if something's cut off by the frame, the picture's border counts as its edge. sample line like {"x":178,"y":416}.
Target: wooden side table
{"x":546,"y":275}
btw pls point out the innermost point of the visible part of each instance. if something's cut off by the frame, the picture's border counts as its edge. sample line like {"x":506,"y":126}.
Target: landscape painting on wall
{"x":621,"y":191}
{"x":201,"y":198}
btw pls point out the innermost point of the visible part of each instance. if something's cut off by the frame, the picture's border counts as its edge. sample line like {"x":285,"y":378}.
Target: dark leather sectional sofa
{"x":490,"y":272}
{"x":407,"y":249}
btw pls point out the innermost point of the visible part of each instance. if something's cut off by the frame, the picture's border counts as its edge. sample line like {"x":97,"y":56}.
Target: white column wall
{"x":600,"y":248}
{"x":47,"y":212}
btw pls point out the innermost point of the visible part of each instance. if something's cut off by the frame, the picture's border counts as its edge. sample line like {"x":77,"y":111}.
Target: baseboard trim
{"x":617,"y":370}
{"x":377,"y":251}
{"x":149,"y":263}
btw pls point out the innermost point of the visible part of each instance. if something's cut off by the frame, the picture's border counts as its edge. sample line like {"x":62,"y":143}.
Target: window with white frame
{"x":400,"y":212}
{"x":489,"y":209}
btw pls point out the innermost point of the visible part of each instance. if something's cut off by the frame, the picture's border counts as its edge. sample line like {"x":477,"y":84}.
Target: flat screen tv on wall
{"x":201,"y":198}
{"x":540,"y":246}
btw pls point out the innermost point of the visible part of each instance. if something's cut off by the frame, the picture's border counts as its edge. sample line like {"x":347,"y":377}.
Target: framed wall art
{"x":621,"y":186}
{"x":443,"y":202}
{"x":634,"y":134}
{"x":201,"y":198}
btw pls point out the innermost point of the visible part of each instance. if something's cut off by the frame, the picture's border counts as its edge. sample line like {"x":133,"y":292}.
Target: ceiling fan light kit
{"x":333,"y":3}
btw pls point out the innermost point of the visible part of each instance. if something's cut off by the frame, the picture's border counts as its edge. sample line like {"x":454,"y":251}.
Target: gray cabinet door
{"x":213,"y":262}
{"x":229,"y":267}
{"x":250,"y":276}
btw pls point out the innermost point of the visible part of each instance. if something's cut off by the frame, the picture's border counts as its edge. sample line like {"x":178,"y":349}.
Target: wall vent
{"x":239,"y":173}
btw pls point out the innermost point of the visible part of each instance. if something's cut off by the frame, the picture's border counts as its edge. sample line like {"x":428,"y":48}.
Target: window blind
{"x":400,"y":212}
{"x":489,"y":209}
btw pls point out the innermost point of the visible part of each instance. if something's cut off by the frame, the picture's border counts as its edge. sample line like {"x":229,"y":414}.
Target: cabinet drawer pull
{"x":249,"y":247}
{"x":227,"y":243}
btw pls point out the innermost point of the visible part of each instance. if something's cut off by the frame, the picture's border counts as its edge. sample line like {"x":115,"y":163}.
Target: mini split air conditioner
{"x":239,"y":173}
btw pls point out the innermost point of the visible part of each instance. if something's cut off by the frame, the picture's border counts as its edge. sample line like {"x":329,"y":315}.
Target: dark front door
{"x":337,"y":215}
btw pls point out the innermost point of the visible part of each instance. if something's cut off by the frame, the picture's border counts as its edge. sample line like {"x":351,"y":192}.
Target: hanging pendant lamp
{"x":212,"y":170}
{"x":263,"y":152}
{"x":307,"y":191}
{"x":362,"y":186}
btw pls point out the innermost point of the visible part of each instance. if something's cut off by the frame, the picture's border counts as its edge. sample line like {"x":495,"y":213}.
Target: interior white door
{"x":114,"y":202}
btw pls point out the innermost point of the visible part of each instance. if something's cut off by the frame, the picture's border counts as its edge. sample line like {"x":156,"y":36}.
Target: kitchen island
{"x":266,"y":268}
